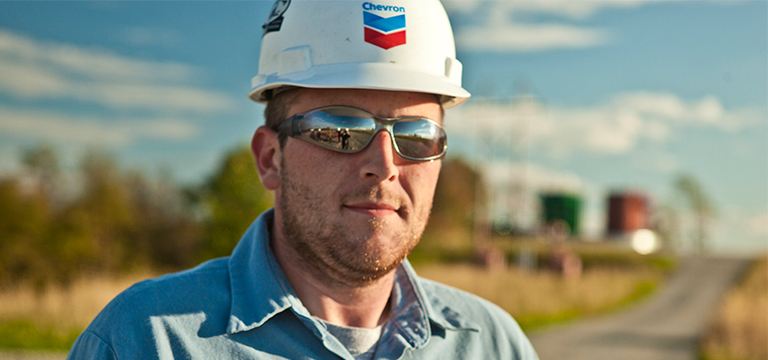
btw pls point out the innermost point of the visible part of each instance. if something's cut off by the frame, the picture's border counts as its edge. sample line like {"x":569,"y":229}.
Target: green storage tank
{"x":562,"y":207}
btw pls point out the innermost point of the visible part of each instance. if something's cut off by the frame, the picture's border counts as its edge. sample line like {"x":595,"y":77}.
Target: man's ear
{"x":266,"y":151}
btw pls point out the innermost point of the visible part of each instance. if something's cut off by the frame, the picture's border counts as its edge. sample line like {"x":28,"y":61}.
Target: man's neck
{"x":363,"y":305}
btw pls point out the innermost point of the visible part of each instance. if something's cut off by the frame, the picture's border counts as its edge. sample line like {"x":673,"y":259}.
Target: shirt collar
{"x":414,"y":296}
{"x":260,"y":290}
{"x":258,"y":285}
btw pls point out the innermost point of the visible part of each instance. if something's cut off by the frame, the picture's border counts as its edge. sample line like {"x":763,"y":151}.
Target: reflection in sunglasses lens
{"x":339,"y":138}
{"x":338,"y":129}
{"x":419,"y":139}
{"x":338,"y":132}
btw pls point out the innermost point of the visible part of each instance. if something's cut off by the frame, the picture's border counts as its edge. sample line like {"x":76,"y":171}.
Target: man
{"x":351,"y":147}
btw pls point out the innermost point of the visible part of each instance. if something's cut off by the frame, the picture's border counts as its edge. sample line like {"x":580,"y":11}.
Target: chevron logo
{"x":384,"y":32}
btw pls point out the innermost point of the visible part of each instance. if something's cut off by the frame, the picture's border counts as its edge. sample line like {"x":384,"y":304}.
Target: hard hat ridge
{"x":399,"y":45}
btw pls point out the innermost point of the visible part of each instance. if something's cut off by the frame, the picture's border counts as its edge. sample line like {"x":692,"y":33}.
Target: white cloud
{"x":152,"y":36}
{"x":565,"y":8}
{"x":90,"y":131}
{"x":526,"y":37}
{"x":708,"y":111}
{"x":615,"y":127}
{"x":25,"y":80}
{"x":538,"y":177}
{"x":499,"y":27}
{"x":86,"y":62}
{"x":33,"y":69}
{"x":154,"y":97}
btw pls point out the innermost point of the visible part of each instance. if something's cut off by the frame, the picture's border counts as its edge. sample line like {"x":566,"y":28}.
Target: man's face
{"x":354,"y":217}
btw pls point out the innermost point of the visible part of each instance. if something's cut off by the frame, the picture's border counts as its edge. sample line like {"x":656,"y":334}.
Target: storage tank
{"x":627,"y":212}
{"x":565,"y":208}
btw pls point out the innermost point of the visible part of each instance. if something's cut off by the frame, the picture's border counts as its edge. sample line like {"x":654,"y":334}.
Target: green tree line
{"x":113,"y":221}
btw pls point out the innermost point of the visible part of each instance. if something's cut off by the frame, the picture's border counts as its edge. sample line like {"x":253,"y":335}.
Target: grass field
{"x":740,"y":330}
{"x":540,"y":298}
{"x":51,"y":320}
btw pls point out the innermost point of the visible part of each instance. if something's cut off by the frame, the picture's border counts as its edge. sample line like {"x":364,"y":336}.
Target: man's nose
{"x":379,"y":158}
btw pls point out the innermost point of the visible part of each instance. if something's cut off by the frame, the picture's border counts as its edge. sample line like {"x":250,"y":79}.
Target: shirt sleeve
{"x":90,"y":346}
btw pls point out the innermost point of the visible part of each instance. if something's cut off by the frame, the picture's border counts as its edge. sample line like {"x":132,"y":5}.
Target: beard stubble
{"x":326,"y":247}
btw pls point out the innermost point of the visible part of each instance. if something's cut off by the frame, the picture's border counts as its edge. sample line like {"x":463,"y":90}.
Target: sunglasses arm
{"x":290,"y":126}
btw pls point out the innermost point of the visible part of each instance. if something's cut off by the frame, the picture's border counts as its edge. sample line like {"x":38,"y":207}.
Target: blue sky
{"x":620,"y":93}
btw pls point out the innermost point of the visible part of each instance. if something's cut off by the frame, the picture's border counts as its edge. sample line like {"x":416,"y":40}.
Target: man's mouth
{"x":373,"y":209}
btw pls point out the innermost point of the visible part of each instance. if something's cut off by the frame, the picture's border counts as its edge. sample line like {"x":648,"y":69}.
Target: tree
{"x":697,"y":201}
{"x":24,"y":216}
{"x":233,"y":198}
{"x":452,"y":219}
{"x":42,"y":163}
{"x":105,"y":213}
{"x":166,"y":234}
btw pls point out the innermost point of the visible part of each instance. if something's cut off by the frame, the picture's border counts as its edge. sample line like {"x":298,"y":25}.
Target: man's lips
{"x":372,"y":209}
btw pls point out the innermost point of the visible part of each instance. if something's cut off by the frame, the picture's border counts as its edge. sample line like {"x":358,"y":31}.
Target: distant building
{"x":627,"y":212}
{"x":562,"y":210}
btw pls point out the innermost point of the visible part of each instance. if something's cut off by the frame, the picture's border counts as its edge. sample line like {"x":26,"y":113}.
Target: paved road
{"x":666,"y":327}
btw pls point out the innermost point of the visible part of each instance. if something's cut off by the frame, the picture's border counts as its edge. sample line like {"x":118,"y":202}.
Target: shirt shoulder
{"x":465,"y":303}
{"x":492,"y":323}
{"x":189,"y":290}
{"x":197,"y":299}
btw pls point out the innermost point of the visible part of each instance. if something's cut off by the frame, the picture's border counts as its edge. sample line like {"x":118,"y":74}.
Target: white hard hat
{"x":400,"y":45}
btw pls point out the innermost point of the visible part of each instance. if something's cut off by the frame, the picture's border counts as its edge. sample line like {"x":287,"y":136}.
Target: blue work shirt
{"x":242,"y":307}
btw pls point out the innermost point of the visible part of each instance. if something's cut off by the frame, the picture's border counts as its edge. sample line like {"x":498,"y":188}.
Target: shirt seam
{"x":264,"y":253}
{"x":111,"y":350}
{"x":438,"y":318}
{"x":420,"y":300}
{"x":272,"y":265}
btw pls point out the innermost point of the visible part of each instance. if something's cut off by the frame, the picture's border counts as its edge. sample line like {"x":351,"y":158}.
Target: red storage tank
{"x":627,"y":212}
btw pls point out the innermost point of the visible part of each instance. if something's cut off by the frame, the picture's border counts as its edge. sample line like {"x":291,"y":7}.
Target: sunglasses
{"x":349,"y":130}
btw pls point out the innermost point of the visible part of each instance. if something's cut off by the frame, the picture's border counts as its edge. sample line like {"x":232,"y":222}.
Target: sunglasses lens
{"x":419,"y":139}
{"x":336,"y":131}
{"x":349,"y":130}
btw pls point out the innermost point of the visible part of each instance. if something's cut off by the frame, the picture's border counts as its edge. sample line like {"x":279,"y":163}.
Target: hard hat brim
{"x":375,"y":76}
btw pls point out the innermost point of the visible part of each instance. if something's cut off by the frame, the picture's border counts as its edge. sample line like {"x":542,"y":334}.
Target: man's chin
{"x":377,"y":254}
{"x":367,"y":272}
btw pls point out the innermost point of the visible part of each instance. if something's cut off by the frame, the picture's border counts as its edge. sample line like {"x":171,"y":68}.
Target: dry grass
{"x":539,"y":298}
{"x":740,"y":330}
{"x":63,"y":308}
{"x":533,"y":298}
